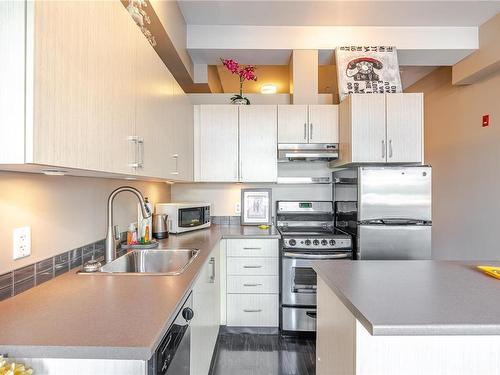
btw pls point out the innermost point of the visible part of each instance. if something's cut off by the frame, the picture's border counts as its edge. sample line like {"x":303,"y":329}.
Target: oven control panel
{"x":326,"y":243}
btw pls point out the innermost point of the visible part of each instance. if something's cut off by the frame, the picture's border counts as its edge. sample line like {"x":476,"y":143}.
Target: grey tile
{"x":42,"y":277}
{"x":224,"y":220}
{"x":61,"y":264}
{"x":5,"y":292}
{"x":24,"y":273}
{"x":99,"y":247}
{"x":24,"y":279}
{"x":75,"y":262}
{"x":215,"y":219}
{"x":6,"y":280}
{"x":75,"y":258}
{"x":87,"y":252}
{"x":6,"y":285}
{"x":234,"y":220}
{"x":24,"y":285}
{"x":44,"y":266}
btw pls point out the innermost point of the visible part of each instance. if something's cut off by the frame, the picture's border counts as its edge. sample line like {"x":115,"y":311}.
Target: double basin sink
{"x":166,"y":262}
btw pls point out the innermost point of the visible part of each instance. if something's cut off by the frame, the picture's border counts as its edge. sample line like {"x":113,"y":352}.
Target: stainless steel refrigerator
{"x":391,"y":218}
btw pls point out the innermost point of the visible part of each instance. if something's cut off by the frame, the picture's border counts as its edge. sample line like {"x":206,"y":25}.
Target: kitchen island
{"x":407,"y":317}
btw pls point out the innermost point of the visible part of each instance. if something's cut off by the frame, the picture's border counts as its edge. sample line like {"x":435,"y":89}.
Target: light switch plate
{"x":237,"y":208}
{"x":21,"y":242}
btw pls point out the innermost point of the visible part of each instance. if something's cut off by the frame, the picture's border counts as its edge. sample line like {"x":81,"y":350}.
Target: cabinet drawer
{"x":252,"y":310}
{"x":252,"y":248}
{"x":252,"y":266}
{"x":252,"y":284}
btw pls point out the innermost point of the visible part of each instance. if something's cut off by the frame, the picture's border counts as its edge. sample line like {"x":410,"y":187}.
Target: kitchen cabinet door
{"x":367,"y":128}
{"x":84,"y":85}
{"x":216,"y":140}
{"x":182,"y":140}
{"x":153,"y":118}
{"x":206,"y":321}
{"x":404,"y":128}
{"x":292,"y":124}
{"x":323,"y":124}
{"x":258,"y":143}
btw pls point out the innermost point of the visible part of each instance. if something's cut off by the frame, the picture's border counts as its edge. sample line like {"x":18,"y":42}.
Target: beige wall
{"x":466,"y":164}
{"x":274,"y":74}
{"x":64,"y":212}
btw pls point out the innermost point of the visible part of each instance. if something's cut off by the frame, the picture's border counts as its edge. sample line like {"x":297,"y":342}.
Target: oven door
{"x":298,"y":279}
{"x":191,"y":217}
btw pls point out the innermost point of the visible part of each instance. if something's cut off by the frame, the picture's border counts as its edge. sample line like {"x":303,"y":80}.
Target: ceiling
{"x":338,"y":13}
{"x":214,"y":27}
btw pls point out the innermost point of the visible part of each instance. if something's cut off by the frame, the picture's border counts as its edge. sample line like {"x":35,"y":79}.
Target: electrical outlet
{"x":237,"y":208}
{"x":21,"y":240}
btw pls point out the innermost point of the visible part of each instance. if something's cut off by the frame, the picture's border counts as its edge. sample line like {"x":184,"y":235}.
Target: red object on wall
{"x":486,"y":120}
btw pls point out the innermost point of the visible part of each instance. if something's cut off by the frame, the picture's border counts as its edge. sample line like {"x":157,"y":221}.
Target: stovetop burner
{"x":309,"y":230}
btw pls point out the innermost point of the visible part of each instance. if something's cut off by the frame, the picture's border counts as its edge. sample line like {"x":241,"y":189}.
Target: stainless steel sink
{"x":167,"y":262}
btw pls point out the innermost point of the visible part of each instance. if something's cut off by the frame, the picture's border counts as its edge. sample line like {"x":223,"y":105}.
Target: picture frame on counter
{"x":256,"y":206}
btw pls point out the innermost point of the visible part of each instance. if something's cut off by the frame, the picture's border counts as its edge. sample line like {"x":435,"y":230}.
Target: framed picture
{"x":256,"y":206}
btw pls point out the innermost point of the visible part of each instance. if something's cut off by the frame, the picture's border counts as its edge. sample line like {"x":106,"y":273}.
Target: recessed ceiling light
{"x":268,"y":89}
{"x":54,"y":172}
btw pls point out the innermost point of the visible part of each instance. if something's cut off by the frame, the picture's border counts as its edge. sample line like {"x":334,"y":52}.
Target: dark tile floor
{"x":263,"y":354}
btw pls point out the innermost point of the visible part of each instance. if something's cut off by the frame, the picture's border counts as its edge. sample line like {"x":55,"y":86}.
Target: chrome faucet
{"x":112,"y":235}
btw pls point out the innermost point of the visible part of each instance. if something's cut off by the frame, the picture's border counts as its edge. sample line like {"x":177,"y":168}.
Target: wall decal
{"x":137,"y":9}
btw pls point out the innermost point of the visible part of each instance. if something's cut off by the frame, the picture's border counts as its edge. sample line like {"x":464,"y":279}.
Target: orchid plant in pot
{"x":245,"y":73}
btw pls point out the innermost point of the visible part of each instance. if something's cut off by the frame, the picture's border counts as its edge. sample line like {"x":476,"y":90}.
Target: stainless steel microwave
{"x":185,"y":216}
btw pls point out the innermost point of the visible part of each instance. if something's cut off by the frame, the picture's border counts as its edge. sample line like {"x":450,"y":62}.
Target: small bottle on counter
{"x":132,"y":234}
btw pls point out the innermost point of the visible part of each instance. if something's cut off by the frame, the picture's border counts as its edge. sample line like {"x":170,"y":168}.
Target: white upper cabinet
{"x":153,"y":128}
{"x":258,"y":143}
{"x":404,"y":128}
{"x":323,"y":123}
{"x":216,"y":143}
{"x":292,"y":124}
{"x":308,"y":123}
{"x":367,"y":128}
{"x":381,"y":128}
{"x":235,"y":143}
{"x":182,"y":141}
{"x":93,"y":99}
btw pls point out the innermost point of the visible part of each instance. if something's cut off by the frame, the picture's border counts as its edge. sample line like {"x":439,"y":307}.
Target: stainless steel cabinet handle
{"x":140,"y":143}
{"x":310,"y":131}
{"x":252,"y":284}
{"x":305,"y":131}
{"x":134,"y":139}
{"x":252,"y":266}
{"x":176,"y":157}
{"x":250,"y":310}
{"x":383,"y":149}
{"x":252,"y":248}
{"x":390,"y":148}
{"x":211,"y":262}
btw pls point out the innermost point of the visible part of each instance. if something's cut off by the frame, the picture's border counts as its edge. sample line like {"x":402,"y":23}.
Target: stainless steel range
{"x":307,"y":234}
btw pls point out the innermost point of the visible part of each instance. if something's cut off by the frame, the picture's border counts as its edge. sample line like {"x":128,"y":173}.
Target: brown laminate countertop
{"x":106,"y":317}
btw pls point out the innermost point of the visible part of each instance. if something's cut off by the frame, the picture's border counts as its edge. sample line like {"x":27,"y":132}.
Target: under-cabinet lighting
{"x":268,"y":89}
{"x":54,"y":172}
{"x":130,"y":178}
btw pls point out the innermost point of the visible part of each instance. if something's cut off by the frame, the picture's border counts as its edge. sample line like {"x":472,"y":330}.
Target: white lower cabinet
{"x":257,"y":310}
{"x":206,"y":321}
{"x":252,"y":282}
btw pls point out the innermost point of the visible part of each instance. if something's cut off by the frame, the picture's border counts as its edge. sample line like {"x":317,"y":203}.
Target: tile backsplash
{"x":27,"y":277}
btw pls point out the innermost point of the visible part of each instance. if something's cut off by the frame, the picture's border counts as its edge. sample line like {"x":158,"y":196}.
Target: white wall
{"x":224,"y":197}
{"x":63,"y":212}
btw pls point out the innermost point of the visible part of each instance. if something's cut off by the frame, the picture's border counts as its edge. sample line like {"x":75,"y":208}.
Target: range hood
{"x":307,"y":152}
